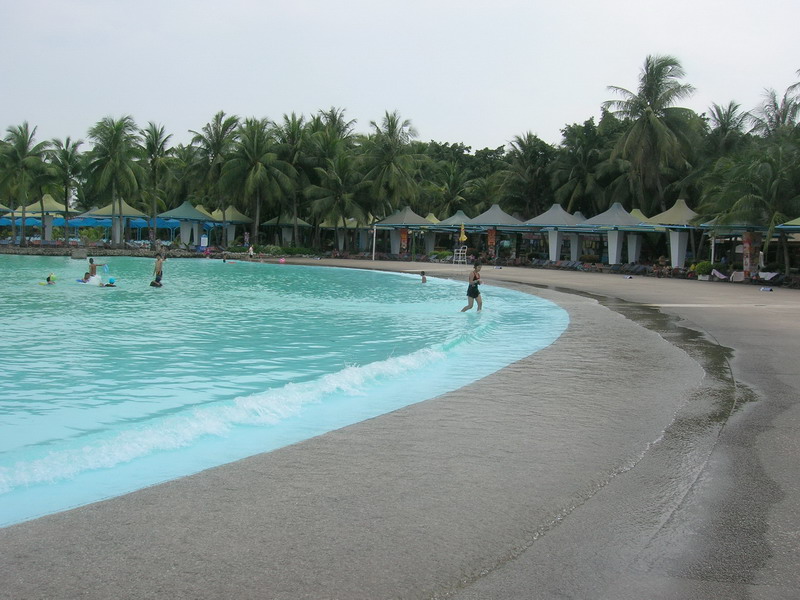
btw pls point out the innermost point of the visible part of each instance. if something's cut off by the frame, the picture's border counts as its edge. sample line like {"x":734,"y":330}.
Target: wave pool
{"x":107,"y":390}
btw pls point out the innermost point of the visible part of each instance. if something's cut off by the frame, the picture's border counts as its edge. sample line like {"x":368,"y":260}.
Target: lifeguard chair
{"x":460,"y":256}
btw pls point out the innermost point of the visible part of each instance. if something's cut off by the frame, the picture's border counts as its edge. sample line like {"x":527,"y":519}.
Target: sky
{"x":470,"y":71}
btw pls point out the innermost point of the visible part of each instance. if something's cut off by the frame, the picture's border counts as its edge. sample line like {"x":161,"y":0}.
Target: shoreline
{"x":727,"y":533}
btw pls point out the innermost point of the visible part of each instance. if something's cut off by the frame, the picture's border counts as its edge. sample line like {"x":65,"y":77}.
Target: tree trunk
{"x":153,"y":228}
{"x":257,"y":219}
{"x":295,"y":229}
{"x":66,"y":216}
{"x":41,"y":214}
{"x":114,"y":219}
{"x":786,"y":258}
{"x":121,"y":225}
{"x":13,"y":226}
{"x":22,"y":241}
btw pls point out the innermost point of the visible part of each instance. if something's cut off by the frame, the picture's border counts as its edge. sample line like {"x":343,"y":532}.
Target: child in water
{"x":424,"y":279}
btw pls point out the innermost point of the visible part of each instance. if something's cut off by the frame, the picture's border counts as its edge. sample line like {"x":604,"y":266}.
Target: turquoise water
{"x":108,"y":390}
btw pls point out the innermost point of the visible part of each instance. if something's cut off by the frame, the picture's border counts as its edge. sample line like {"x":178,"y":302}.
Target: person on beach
{"x":424,"y":279}
{"x":473,"y":292}
{"x":250,"y":252}
{"x":158,"y":269}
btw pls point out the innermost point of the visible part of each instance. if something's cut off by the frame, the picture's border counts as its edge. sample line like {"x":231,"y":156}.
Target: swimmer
{"x":51,"y":279}
{"x":86,"y":277}
{"x":424,"y":279}
{"x":111,"y":282}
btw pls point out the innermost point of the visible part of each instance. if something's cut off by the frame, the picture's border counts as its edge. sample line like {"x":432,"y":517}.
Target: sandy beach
{"x":503,"y":488}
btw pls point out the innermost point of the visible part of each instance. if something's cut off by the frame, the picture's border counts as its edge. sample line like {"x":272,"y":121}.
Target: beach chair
{"x":736,"y":277}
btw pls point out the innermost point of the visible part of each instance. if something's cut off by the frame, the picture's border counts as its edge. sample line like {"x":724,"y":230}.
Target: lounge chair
{"x":736,"y":277}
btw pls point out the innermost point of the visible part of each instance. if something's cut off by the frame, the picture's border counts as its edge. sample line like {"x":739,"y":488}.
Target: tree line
{"x":645,"y":151}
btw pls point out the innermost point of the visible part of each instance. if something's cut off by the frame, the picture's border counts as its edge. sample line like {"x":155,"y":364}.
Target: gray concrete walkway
{"x":500,"y":489}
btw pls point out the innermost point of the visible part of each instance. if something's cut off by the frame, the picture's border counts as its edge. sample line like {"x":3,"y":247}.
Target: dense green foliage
{"x":645,"y":152}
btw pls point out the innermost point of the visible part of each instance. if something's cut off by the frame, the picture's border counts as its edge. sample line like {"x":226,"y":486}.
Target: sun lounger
{"x":737,"y":277}
{"x":718,"y":274}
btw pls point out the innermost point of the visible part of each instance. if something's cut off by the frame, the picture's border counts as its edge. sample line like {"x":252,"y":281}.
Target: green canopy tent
{"x":228,"y":219}
{"x":493,"y":220}
{"x":344,"y":227}
{"x":284,"y":224}
{"x":47,"y":208}
{"x":679,"y":220}
{"x":190,"y":219}
{"x":614,"y":222}
{"x":109,"y":210}
{"x":207,"y":213}
{"x":555,"y":220}
{"x":113,"y":210}
{"x":398,"y":225}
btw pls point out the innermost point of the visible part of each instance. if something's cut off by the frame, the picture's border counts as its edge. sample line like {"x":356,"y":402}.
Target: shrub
{"x":703,"y":268}
{"x":296,"y":251}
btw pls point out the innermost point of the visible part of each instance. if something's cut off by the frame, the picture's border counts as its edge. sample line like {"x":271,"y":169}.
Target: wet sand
{"x":693,"y":494}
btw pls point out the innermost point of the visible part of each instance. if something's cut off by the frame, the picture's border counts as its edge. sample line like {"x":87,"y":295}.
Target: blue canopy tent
{"x":34,"y":221}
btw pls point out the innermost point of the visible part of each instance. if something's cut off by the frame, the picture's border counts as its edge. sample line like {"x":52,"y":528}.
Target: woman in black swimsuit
{"x":473,"y":292}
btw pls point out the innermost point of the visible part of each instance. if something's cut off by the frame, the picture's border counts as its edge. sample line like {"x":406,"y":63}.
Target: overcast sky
{"x":471,"y":71}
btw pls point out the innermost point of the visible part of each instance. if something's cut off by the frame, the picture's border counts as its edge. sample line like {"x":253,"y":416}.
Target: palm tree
{"x":574,"y":171}
{"x":336,"y":198}
{"x":253,"y":169}
{"x":21,"y":168}
{"x":67,"y":162}
{"x":525,"y":182}
{"x":390,"y":163}
{"x":335,"y":122}
{"x":186,"y":177}
{"x":449,"y":188}
{"x":776,"y":116}
{"x":215,"y":143}
{"x":292,"y":137}
{"x":157,"y":158}
{"x":761,"y":187}
{"x":481,"y":192}
{"x":727,"y":128}
{"x":113,"y":165}
{"x":657,"y":134}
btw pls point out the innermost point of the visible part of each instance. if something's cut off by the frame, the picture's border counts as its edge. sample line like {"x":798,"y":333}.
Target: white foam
{"x":265,"y":408}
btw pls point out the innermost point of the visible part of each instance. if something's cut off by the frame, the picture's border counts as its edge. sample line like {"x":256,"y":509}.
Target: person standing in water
{"x":158,"y":269}
{"x":93,"y":267}
{"x":473,"y":291}
{"x":424,"y":279}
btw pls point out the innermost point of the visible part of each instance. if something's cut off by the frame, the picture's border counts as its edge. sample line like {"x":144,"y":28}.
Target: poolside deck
{"x":466,"y":496}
